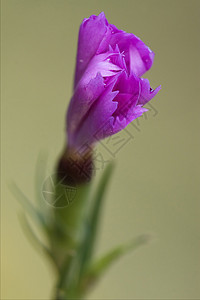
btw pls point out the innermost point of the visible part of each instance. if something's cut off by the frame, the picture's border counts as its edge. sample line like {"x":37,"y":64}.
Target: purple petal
{"x":100,"y":116}
{"x":147,"y":93}
{"x":84,"y":96}
{"x":132,"y":114}
{"x":91,"y":34}
{"x":101,"y":63}
{"x":128,"y":84}
{"x":125,"y":101}
{"x":104,"y":45}
{"x":139,"y":58}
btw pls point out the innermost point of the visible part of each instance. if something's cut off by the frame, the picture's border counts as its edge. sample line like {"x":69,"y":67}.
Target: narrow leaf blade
{"x":92,"y":225}
{"x":27,"y":205}
{"x":99,"y":267}
{"x":32,"y":236}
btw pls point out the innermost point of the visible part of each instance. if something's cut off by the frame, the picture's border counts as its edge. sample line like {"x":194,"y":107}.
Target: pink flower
{"x":109,"y":92}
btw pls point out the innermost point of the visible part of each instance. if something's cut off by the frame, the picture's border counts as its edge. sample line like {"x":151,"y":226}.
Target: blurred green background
{"x":155,"y":187}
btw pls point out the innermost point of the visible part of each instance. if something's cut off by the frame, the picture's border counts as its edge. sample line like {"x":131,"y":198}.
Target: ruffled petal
{"x":147,"y":93}
{"x":139,"y":58}
{"x":125,"y":101}
{"x":91,"y":35}
{"x":102,"y":71}
{"x":133,"y":113}
{"x":103,"y":64}
{"x":100,"y":116}
{"x":85,"y":95}
{"x":128,"y":84}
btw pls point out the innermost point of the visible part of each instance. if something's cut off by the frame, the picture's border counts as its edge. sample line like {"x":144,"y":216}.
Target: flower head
{"x":109,"y":92}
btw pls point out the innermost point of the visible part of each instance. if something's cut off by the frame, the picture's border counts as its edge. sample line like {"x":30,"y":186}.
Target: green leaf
{"x":91,"y":226}
{"x":40,"y":177}
{"x":40,"y":173}
{"x":32,"y":236}
{"x":27,"y":205}
{"x":99,"y":267}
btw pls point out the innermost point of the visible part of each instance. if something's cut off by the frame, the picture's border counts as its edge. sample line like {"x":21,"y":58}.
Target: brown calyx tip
{"x":75,"y":168}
